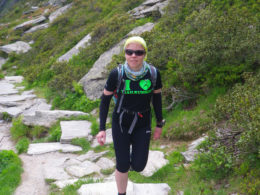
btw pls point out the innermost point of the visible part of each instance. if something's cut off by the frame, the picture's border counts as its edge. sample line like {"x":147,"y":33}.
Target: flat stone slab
{"x":63,"y":183}
{"x":132,"y":189}
{"x":41,"y":148}
{"x":15,"y":98}
{"x":47,"y":118}
{"x":74,"y":129}
{"x":156,"y":161}
{"x":105,"y":163}
{"x":7,"y":88}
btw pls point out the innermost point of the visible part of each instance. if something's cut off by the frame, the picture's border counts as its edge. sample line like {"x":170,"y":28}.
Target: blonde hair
{"x":137,"y":39}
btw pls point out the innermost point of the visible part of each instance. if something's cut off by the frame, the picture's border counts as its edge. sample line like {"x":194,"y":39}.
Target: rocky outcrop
{"x":59,"y":12}
{"x":36,"y":28}
{"x":28,"y":24}
{"x":94,"y":81}
{"x":149,"y":7}
{"x":75,"y":50}
{"x":57,"y":2}
{"x":17,"y":47}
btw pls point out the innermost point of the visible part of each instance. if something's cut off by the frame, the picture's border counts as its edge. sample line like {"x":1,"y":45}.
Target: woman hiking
{"x":137,"y":84}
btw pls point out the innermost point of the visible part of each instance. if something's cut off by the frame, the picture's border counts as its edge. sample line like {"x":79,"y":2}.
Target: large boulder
{"x":17,"y":47}
{"x":75,"y":50}
{"x":94,"y":81}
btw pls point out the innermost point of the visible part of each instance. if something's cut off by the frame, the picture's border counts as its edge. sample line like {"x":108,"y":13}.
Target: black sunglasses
{"x":136,"y":52}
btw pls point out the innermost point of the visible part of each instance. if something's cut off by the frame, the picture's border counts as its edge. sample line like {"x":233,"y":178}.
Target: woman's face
{"x":135,"y":61}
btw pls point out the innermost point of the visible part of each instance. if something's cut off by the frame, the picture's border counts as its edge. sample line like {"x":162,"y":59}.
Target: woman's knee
{"x":123,"y":167}
{"x":138,"y":167}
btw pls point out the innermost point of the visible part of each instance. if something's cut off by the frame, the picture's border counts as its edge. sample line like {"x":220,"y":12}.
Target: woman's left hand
{"x":157,"y":133}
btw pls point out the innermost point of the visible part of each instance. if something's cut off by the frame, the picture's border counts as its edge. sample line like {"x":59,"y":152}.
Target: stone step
{"x":74,"y":129}
{"x":41,"y":148}
{"x":132,"y":189}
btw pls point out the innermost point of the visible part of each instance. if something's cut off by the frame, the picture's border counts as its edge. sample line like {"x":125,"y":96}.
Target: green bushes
{"x":240,"y":107}
{"x":10,"y":171}
{"x":22,"y":145}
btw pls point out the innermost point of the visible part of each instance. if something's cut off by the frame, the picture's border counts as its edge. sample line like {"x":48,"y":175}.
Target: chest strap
{"x":136,"y":115}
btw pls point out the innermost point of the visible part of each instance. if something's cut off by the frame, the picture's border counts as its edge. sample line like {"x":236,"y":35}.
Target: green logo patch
{"x":145,"y":84}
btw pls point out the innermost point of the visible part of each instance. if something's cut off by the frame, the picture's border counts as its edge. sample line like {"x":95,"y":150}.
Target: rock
{"x":63,"y":183}
{"x":149,"y":8}
{"x":14,"y":79}
{"x":12,"y":111}
{"x":27,"y":24}
{"x":6,"y":100}
{"x":109,"y":139}
{"x":105,"y":163}
{"x":36,"y":28}
{"x":156,"y":161}
{"x":75,"y":50}
{"x":189,"y":155}
{"x":17,"y":47}
{"x":41,"y":148}
{"x":34,"y":105}
{"x":59,"y":12}
{"x":94,"y":81}
{"x":74,"y":129}
{"x":91,"y":156}
{"x":47,"y":118}
{"x":7,"y":88}
{"x":85,"y":168}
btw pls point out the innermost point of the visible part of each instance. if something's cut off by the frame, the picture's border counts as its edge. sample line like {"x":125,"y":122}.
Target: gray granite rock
{"x":7,"y":88}
{"x":17,"y":47}
{"x":63,"y":183}
{"x":74,"y":129}
{"x":2,"y":61}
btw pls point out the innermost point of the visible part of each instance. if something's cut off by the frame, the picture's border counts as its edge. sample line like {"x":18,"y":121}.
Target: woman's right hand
{"x":101,"y":137}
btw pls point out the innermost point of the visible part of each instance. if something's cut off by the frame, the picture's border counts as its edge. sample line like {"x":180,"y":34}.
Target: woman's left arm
{"x":157,"y":105}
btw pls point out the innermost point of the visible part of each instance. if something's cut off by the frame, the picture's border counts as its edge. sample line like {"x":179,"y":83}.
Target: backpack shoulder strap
{"x":119,"y":76}
{"x":153,"y":75}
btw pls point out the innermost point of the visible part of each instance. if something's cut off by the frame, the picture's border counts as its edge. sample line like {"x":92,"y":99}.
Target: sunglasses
{"x":130,"y":52}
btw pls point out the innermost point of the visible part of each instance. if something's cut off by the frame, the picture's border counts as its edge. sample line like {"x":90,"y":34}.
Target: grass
{"x":189,"y":123}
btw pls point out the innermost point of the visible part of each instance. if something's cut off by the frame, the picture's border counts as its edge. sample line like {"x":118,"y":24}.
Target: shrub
{"x":18,"y":129}
{"x":240,"y":108}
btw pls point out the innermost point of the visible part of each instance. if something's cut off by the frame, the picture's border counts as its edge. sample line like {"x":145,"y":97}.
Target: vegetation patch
{"x":10,"y":171}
